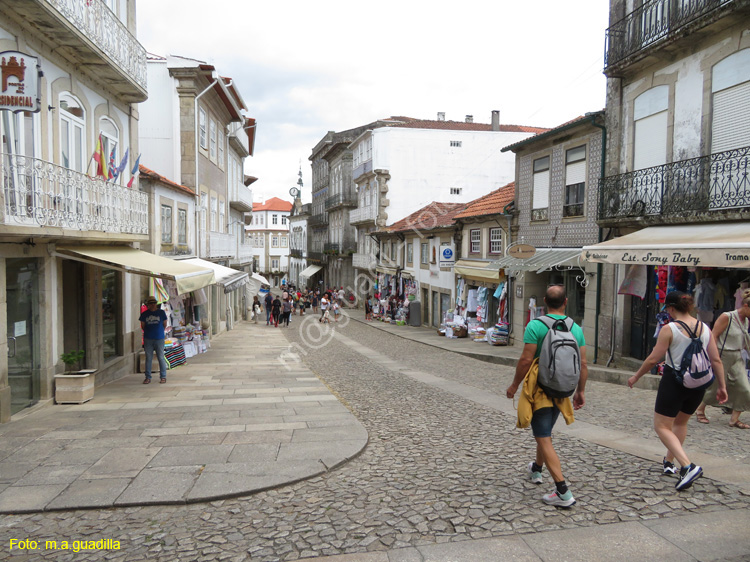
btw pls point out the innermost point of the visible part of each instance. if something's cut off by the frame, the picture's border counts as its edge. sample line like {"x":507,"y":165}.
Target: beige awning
{"x":543,"y":260}
{"x":229,"y":278}
{"x":188,"y":277}
{"x":704,"y":245}
{"x":386,"y":270}
{"x":309,"y":271}
{"x":479,"y":270}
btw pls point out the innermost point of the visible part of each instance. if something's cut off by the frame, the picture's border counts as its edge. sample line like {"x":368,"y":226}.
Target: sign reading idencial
{"x":19,"y":89}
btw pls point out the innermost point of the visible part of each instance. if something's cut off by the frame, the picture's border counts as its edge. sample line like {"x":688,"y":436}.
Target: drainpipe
{"x":592,"y":117}
{"x":509,"y":216}
{"x":197,"y":154}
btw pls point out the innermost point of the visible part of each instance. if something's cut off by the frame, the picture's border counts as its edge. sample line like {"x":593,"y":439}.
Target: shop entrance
{"x":22,"y":291}
{"x":74,"y":310}
{"x":643,"y":319}
{"x":425,"y":307}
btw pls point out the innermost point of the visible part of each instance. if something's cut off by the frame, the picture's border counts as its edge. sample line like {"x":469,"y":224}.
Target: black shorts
{"x":673,"y":398}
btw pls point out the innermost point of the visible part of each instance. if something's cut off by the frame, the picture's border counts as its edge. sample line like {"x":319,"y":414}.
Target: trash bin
{"x":415,"y":313}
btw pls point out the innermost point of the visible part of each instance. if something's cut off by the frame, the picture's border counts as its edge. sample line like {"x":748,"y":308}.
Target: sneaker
{"x":566,"y":500}
{"x":668,"y":467}
{"x":688,"y":475}
{"x":535,"y":477}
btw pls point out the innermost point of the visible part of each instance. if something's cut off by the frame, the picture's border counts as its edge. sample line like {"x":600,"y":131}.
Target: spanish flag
{"x":101,"y":159}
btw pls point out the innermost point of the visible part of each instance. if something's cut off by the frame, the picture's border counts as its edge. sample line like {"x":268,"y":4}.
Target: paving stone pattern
{"x":438,"y":468}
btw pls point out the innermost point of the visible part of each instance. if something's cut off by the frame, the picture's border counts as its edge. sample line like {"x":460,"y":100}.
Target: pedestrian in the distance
{"x":675,"y":403}
{"x":269,"y":305}
{"x":314,"y":302}
{"x":323,"y":306}
{"x":154,"y":323}
{"x":545,"y":410}
{"x":276,"y":311}
{"x":256,"y":308}
{"x":286,"y":310}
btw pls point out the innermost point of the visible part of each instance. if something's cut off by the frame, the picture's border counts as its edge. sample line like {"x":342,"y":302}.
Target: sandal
{"x":701,"y":417}
{"x":146,"y":381}
{"x":739,"y":425}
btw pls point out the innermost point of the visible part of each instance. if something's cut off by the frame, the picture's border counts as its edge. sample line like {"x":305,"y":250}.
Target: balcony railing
{"x":653,"y":21}
{"x":244,"y":254}
{"x":221,"y":245}
{"x":240,"y":198}
{"x":101,"y":26}
{"x":363,"y":214}
{"x":364,"y":261}
{"x":698,"y":185}
{"x":318,"y":220}
{"x":340,"y":199}
{"x":293,"y":253}
{"x":331,"y":248}
{"x":316,"y":257}
{"x":39,"y":193}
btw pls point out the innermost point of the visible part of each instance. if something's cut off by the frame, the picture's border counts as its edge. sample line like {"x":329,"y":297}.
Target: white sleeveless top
{"x":680,"y":343}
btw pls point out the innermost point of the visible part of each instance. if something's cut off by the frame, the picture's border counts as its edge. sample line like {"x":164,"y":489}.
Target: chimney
{"x":495,"y":120}
{"x":441,"y":116}
{"x":469,"y":118}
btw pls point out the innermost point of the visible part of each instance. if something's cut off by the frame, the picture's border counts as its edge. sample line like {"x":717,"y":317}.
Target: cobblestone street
{"x":438,"y":468}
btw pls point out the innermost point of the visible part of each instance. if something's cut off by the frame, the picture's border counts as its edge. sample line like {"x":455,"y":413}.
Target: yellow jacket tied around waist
{"x":533,"y":398}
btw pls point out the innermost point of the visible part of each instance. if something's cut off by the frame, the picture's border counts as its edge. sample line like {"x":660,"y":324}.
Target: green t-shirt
{"x":536,"y":330}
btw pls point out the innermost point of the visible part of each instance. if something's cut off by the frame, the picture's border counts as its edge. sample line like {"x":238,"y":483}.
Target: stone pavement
{"x":231,"y":422}
{"x":502,"y":355}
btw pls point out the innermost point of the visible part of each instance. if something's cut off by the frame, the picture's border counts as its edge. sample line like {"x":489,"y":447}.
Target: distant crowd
{"x":295,"y":301}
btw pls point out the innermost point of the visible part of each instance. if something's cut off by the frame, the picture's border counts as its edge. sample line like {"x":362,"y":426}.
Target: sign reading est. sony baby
{"x":19,"y":82}
{"x":739,"y":258}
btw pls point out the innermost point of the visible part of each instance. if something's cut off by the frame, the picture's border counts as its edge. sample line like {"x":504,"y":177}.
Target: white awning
{"x":480,"y":270}
{"x":188,"y":277}
{"x":260,"y":278}
{"x":309,"y":271}
{"x":705,"y":245}
{"x":229,"y":278}
{"x":544,"y":259}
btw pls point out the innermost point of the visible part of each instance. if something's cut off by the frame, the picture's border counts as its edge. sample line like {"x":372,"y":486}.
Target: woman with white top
{"x":323,"y":306}
{"x":675,"y":404}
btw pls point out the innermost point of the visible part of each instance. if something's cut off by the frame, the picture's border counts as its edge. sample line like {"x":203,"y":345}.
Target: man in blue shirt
{"x":153,"y":324}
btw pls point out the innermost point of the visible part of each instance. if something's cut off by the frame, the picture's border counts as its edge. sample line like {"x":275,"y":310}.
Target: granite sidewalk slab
{"x":233,"y":421}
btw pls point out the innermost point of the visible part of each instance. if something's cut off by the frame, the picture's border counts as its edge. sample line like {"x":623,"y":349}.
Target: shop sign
{"x":522,"y":251}
{"x":447,"y":255}
{"x":19,"y":90}
{"x":739,"y":258}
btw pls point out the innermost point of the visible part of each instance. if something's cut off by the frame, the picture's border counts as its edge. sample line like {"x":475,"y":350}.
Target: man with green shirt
{"x":544,"y":419}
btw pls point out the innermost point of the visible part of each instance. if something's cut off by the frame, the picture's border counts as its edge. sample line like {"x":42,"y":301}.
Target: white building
{"x":269,"y":233}
{"x":403,"y":167}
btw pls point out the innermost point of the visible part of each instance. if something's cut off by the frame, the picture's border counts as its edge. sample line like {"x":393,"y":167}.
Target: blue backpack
{"x":695,"y":368}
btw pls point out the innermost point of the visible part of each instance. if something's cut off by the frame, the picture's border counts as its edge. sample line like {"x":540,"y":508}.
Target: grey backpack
{"x":560,"y":358}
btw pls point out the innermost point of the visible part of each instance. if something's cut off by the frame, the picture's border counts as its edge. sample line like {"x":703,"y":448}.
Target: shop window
{"x":182,"y":226}
{"x":496,"y":240}
{"x":111,"y":303}
{"x":475,"y":236}
{"x":166,"y":224}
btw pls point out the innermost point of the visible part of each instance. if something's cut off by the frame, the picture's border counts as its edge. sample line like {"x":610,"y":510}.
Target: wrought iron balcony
{"x":39,"y":193}
{"x":89,"y":35}
{"x":340,"y":200}
{"x":293,"y":253}
{"x":331,"y":248}
{"x":654,"y":21}
{"x":318,"y":220}
{"x":318,"y":257}
{"x":706,"y":184}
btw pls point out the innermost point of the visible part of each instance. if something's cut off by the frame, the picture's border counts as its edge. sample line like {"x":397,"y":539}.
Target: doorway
{"x":643,"y":319}
{"x":436,"y":318}
{"x":22,"y":291}
{"x":425,"y":306}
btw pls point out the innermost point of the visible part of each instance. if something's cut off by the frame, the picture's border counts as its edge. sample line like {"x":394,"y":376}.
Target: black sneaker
{"x":688,"y":475}
{"x":668,"y":467}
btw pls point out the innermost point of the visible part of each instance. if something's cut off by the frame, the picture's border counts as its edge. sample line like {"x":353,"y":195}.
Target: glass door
{"x":22,"y":318}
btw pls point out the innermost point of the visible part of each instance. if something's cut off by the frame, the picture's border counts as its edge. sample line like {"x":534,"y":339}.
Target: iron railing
{"x":318,"y":220}
{"x":331,"y":248}
{"x":108,"y":33}
{"x":40,"y":193}
{"x":704,"y":184}
{"x":340,"y":199}
{"x":294,"y":253}
{"x":652,"y":21}
{"x":316,"y":257}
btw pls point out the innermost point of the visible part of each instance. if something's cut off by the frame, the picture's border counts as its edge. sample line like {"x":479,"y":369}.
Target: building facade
{"x":78,"y":71}
{"x":269,"y":233}
{"x":678,"y":101}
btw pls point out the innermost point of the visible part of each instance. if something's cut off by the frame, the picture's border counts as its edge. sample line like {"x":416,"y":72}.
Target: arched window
{"x":110,"y":138}
{"x":72,"y":127}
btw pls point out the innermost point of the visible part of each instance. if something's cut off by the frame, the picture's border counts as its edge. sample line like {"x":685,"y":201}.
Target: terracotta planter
{"x":75,"y":387}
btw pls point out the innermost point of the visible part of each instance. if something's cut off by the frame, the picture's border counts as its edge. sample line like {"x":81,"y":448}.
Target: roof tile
{"x":273,"y":204}
{"x":491,"y":204}
{"x":432,"y":216}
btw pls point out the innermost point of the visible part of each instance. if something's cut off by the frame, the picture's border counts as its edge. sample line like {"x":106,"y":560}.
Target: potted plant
{"x":74,"y":386}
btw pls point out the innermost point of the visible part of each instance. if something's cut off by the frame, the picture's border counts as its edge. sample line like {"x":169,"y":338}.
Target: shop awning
{"x":479,"y":270}
{"x":386,"y":270}
{"x":706,"y":245}
{"x":260,"y":278}
{"x":406,"y":275}
{"x":187,"y":276}
{"x":544,"y":259}
{"x":229,"y":278}
{"x":309,"y":271}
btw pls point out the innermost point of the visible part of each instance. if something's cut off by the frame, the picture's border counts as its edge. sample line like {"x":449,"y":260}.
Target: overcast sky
{"x":305,"y":68}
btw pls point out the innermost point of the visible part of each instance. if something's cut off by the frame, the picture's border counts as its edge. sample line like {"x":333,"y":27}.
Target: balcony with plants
{"x":703,"y":189}
{"x":41,"y":195}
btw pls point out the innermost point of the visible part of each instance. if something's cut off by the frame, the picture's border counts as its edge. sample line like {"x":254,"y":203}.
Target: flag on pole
{"x":101,"y":159}
{"x":124,"y":162}
{"x":111,"y":166}
{"x":134,"y":171}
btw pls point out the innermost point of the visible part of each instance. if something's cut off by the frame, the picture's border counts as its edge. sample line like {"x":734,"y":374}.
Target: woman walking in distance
{"x":675,"y":403}
{"x":730,"y":332}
